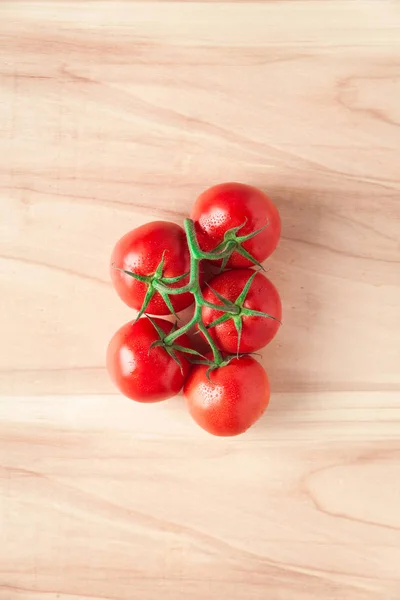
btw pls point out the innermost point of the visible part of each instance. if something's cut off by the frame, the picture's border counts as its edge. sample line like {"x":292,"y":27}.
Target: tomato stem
{"x":196,"y":256}
{"x":222,"y":252}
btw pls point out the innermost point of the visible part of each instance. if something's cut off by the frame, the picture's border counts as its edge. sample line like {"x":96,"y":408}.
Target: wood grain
{"x":116,"y":113}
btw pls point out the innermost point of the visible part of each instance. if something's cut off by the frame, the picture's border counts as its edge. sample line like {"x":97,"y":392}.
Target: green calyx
{"x":151,"y":281}
{"x":170,"y":347}
{"x":213,"y":365}
{"x":243,"y":311}
{"x":235,"y":241}
{"x":157,"y":283}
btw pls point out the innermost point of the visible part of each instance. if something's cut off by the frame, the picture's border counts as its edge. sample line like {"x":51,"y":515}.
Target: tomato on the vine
{"x":231,"y":399}
{"x":142,"y":373}
{"x":140,"y":252}
{"x":253,"y":293}
{"x":158,"y":269}
{"x":230,"y":205}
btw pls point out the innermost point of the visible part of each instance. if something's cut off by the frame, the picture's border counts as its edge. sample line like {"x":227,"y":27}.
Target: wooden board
{"x":113,"y":114}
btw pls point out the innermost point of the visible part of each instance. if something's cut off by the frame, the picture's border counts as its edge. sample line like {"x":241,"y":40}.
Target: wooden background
{"x":113,"y":114}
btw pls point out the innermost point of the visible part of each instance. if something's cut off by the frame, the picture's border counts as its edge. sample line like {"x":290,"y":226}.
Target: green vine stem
{"x":196,"y":256}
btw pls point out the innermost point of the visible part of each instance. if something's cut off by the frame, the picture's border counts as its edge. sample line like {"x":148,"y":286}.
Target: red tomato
{"x":142,"y":375}
{"x":141,"y":251}
{"x":229,"y":205}
{"x":262,"y":296}
{"x":232,"y":400}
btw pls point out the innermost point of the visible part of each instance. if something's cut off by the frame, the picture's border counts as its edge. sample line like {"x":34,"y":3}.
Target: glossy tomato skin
{"x":141,"y":251}
{"x":138,"y":374}
{"x":232,"y":401}
{"x":229,"y":205}
{"x":262,"y":296}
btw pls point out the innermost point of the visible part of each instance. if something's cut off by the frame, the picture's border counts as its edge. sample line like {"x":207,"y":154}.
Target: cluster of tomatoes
{"x":159,"y":269}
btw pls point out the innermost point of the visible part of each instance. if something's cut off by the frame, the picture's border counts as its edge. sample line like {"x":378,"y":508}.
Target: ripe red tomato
{"x":229,"y":205}
{"x":232,"y":400}
{"x":141,"y":251}
{"x":261,"y":296}
{"x":142,"y":375}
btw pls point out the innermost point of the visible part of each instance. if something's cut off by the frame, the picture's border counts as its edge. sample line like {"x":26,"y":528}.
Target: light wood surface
{"x":113,"y":114}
